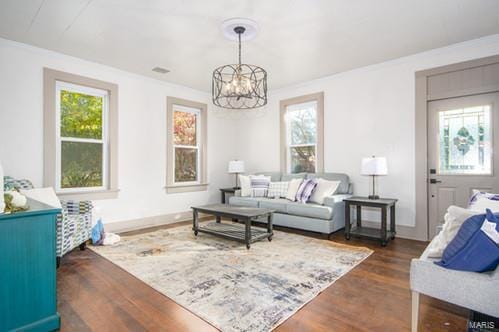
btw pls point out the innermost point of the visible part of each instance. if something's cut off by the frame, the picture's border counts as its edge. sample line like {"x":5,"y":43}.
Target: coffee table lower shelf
{"x":235,"y":232}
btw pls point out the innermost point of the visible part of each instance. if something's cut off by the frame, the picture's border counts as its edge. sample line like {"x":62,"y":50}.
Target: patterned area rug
{"x":233,"y":288}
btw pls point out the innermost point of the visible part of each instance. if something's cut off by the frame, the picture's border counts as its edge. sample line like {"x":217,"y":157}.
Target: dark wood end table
{"x":382,"y":234}
{"x":225,"y":191}
{"x":242,"y":233}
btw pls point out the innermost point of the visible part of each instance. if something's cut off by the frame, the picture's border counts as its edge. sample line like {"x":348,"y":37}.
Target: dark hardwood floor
{"x":94,"y":294}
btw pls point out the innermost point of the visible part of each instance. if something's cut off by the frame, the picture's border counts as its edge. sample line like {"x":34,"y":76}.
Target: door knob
{"x":433,"y":181}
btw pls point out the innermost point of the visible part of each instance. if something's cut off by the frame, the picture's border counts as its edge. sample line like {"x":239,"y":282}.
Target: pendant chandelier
{"x":239,"y":86}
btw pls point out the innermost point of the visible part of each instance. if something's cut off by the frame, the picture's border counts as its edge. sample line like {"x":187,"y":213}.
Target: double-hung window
{"x":302,"y":134}
{"x":80,"y":136}
{"x":186,"y":145}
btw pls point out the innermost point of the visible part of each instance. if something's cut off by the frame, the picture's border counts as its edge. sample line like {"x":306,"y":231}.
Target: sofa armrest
{"x":333,"y":199}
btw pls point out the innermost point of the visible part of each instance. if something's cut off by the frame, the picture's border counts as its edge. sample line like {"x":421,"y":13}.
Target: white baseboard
{"x":136,"y":224}
{"x":406,"y":232}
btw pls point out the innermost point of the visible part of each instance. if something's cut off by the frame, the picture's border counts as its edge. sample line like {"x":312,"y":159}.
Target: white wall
{"x":368,"y":111}
{"x":142,"y":132}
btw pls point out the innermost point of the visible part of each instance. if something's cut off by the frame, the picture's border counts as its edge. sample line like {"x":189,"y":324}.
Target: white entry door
{"x":462,"y":135}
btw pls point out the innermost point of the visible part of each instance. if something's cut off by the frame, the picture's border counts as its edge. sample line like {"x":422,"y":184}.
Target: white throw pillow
{"x":454,"y":218}
{"x":278,"y":189}
{"x":245,"y":183}
{"x":293,"y":187}
{"x":44,"y":195}
{"x":481,"y":201}
{"x":323,"y":189}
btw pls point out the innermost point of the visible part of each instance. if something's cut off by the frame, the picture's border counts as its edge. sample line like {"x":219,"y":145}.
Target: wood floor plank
{"x":96,"y":295}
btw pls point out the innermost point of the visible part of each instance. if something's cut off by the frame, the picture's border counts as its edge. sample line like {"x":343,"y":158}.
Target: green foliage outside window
{"x":81,"y":165}
{"x":81,"y":115}
{"x":81,"y":162}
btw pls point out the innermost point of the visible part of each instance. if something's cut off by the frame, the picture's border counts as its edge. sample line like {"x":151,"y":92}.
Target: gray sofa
{"x":326,"y":218}
{"x":475,"y":291}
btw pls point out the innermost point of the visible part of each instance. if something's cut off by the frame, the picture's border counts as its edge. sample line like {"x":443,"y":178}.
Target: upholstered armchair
{"x":74,"y":224}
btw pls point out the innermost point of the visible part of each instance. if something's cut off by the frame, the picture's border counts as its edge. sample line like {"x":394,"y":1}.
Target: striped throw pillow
{"x":278,"y":189}
{"x":259,"y":185}
{"x":305,"y":190}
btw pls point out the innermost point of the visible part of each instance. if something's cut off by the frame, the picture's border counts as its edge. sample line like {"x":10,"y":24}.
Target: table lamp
{"x":374,"y":166}
{"x":236,"y":167}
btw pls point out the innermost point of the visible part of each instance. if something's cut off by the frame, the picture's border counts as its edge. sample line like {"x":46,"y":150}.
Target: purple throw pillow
{"x":305,"y":191}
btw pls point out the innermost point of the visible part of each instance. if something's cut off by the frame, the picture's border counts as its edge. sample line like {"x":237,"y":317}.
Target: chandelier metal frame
{"x":226,"y":93}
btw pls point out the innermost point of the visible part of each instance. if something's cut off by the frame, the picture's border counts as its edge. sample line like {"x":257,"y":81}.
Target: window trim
{"x":319,"y":145}
{"x":201,"y":139}
{"x":52,"y":80}
{"x":104,"y":140}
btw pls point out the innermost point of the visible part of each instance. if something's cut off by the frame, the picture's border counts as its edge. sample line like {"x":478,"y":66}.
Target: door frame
{"x":420,"y":230}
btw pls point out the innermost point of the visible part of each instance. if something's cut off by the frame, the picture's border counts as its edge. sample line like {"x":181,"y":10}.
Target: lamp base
{"x":373,"y":197}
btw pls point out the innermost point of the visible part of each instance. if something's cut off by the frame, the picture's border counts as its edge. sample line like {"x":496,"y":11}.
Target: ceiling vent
{"x":160,"y":70}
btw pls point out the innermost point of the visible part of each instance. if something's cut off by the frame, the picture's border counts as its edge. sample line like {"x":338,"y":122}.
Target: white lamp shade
{"x":236,"y":166}
{"x":374,"y":166}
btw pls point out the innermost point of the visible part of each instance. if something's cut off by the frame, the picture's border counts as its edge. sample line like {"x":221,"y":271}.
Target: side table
{"x":225,"y":191}
{"x":382,"y":234}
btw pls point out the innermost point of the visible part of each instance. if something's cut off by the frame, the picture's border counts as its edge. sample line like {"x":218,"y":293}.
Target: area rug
{"x":233,"y":288}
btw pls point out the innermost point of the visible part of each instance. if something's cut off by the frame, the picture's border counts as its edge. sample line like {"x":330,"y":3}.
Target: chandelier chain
{"x":239,"y":34}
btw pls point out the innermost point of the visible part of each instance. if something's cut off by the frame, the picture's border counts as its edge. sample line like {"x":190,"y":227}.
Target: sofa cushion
{"x":310,"y":210}
{"x":466,"y":289}
{"x":278,"y":205}
{"x":343,"y":178}
{"x":289,"y":177}
{"x":243,"y":201}
{"x":274,"y":176}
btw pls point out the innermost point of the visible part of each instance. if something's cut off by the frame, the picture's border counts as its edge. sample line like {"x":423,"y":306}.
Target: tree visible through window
{"x":301,"y":124}
{"x":81,"y":145}
{"x":185,"y":143}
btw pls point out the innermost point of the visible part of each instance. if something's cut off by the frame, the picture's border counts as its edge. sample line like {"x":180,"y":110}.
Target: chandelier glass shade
{"x":239,"y":86}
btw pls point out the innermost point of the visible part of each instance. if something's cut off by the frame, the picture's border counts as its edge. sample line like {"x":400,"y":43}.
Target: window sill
{"x":185,"y":188}
{"x":89,"y":195}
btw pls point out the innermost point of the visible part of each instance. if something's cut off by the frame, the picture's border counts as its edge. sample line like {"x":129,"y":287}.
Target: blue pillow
{"x":98,"y":233}
{"x":472,"y":249}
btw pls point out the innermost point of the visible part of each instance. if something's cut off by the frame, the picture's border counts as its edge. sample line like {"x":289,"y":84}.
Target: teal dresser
{"x":27,"y":269}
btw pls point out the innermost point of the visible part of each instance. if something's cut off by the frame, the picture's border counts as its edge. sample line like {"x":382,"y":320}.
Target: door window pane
{"x":184,"y":128}
{"x":302,"y":123}
{"x":81,"y":165}
{"x":302,"y":159}
{"x":465,"y":145}
{"x":186,"y":164}
{"x":81,"y":115}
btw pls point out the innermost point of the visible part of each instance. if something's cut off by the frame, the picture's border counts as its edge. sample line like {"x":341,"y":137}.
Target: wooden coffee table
{"x":239,"y":232}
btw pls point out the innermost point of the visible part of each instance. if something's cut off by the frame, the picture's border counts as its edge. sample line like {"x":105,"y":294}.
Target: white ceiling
{"x":298,"y":40}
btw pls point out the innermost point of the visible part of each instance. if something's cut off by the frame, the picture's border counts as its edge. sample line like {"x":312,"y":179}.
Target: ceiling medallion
{"x":239,"y":86}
